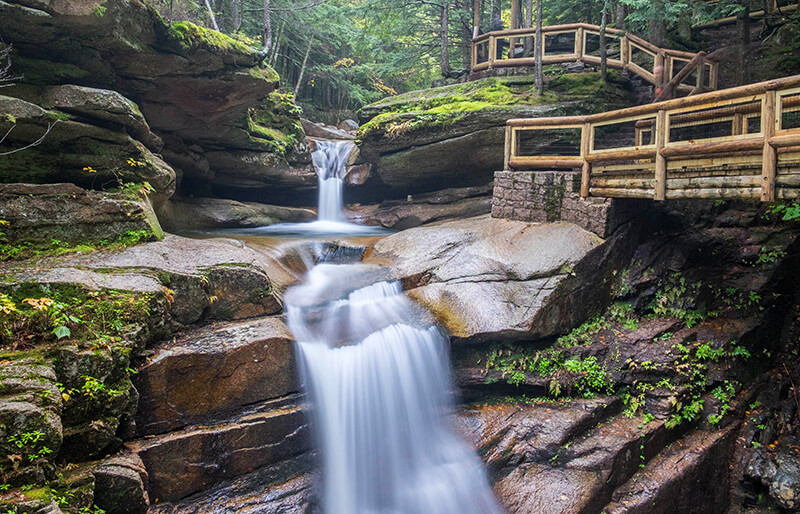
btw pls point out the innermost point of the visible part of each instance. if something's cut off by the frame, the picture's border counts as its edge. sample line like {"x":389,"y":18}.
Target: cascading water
{"x":376,"y":369}
{"x":330,"y":159}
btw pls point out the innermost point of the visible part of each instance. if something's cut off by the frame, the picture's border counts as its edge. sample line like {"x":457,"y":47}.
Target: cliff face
{"x":114,"y":81}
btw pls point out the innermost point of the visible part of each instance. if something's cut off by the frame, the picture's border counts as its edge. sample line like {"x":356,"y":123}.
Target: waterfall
{"x":376,"y":370}
{"x":330,"y":160}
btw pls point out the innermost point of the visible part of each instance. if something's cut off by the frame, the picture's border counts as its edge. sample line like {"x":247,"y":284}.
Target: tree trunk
{"x":276,"y":45}
{"x":466,"y":34}
{"x":603,"y":43}
{"x":620,"y":15}
{"x":743,"y":27}
{"x":657,"y":28}
{"x":211,"y":15}
{"x":445,"y":58}
{"x":303,"y":67}
{"x":236,"y":16}
{"x":539,"y":53}
{"x":528,"y":45}
{"x":267,"y":29}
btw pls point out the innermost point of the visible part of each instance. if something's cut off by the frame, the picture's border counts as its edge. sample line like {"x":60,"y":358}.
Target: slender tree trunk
{"x":528,"y":44}
{"x":603,"y":44}
{"x":620,"y":15}
{"x":211,"y":15}
{"x":465,"y":33}
{"x":657,"y":29}
{"x":445,"y":58}
{"x":743,"y":26}
{"x":236,"y":15}
{"x":539,"y":53}
{"x":303,"y":67}
{"x":267,"y":29}
{"x":277,"y":44}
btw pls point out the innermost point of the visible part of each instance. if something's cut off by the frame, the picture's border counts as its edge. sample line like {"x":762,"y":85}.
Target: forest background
{"x":338,"y":55}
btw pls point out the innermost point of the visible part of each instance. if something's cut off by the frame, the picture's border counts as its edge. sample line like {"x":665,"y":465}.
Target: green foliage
{"x":593,"y":376}
{"x":678,"y":299}
{"x":787,"y":211}
{"x":32,"y":313}
{"x":188,"y":36}
{"x":766,"y":256}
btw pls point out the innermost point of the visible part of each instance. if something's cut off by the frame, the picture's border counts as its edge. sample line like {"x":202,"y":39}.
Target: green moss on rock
{"x":189,"y":36}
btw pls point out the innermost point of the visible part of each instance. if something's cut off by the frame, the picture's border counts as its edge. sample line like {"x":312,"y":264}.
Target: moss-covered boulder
{"x":46,"y":146}
{"x":453,"y":136}
{"x":51,"y":216}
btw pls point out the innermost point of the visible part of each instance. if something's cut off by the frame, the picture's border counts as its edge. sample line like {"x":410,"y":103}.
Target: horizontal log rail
{"x":694,"y":147}
{"x":671,"y":71}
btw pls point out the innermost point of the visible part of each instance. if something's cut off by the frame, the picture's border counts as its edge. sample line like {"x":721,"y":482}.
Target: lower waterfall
{"x":376,"y":370}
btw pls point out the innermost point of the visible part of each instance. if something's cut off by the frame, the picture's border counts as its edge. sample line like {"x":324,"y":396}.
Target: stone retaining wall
{"x":550,"y":196}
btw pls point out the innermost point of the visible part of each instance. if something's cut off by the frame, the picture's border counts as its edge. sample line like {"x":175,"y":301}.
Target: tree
{"x":539,"y":77}
{"x":603,"y":43}
{"x":444,"y":62}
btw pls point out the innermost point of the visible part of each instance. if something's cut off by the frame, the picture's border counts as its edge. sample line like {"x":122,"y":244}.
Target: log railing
{"x":581,"y":42}
{"x":742,"y":142}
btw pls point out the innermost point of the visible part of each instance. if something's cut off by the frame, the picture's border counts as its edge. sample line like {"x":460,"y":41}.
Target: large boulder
{"x":453,"y":136}
{"x":67,"y":213}
{"x":486,"y":278}
{"x":77,"y":150}
{"x":211,"y":213}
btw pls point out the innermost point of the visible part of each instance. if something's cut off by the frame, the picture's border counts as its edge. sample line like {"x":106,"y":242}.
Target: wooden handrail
{"x":663,"y":57}
{"x":770,"y":99}
{"x":672,"y":85}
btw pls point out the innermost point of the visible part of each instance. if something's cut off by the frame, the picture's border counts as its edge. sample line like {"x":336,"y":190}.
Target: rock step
{"x":690,"y":476}
{"x":213,"y":372}
{"x":288,"y":487}
{"x":508,"y":434}
{"x":582,"y":474}
{"x":198,"y":458}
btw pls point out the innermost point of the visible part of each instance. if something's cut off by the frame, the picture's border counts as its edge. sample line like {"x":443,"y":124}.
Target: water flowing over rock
{"x":378,"y":378}
{"x":330,"y":159}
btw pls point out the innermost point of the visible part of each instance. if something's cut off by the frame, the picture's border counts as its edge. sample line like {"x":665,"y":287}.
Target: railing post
{"x":624,"y":50}
{"x":508,"y":148}
{"x":701,"y":74}
{"x":579,"y":44}
{"x":769,"y":163}
{"x":474,"y":55}
{"x":492,"y":51}
{"x":738,"y":126}
{"x":660,"y":180}
{"x":659,"y":69}
{"x":586,"y":168}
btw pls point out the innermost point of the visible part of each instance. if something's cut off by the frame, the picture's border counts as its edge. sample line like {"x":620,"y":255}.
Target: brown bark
{"x":603,"y":43}
{"x":539,"y":79}
{"x":444,"y":61}
{"x":267,"y":28}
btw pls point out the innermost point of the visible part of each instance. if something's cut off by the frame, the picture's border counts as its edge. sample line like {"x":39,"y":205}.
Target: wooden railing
{"x":742,"y":142}
{"x":581,"y":42}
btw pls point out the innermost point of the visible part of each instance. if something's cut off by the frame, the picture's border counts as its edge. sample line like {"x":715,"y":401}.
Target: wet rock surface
{"x":214,"y":213}
{"x":486,"y":278}
{"x":235,"y":365}
{"x":427,"y":208}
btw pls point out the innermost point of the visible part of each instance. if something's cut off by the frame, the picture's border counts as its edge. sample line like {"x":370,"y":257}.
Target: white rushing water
{"x":377,"y":373}
{"x":330,"y":161}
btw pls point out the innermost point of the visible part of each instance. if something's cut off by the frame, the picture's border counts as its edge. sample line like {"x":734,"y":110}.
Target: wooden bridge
{"x":742,"y":142}
{"x":673,"y":71}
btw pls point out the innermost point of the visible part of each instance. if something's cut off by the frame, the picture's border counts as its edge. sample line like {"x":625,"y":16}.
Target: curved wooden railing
{"x":581,"y":42}
{"x":742,"y":142}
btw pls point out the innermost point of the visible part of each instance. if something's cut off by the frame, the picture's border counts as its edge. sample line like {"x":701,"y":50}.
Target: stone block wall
{"x":550,"y":196}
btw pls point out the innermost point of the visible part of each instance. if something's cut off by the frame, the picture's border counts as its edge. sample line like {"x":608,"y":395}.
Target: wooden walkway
{"x":672,"y":71}
{"x":741,"y":142}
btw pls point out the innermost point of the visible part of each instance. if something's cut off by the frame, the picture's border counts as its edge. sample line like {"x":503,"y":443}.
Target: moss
{"x":266,"y":73}
{"x":44,"y":72}
{"x":189,"y":36}
{"x":276,"y":123}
